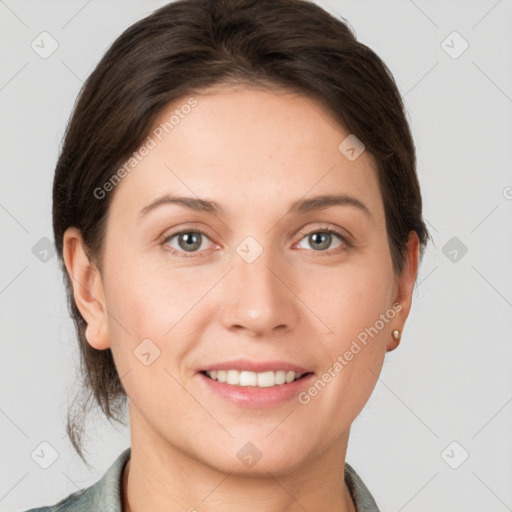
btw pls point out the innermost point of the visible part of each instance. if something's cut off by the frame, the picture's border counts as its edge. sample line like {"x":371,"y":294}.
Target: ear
{"x":87,"y":289}
{"x":404,"y":288}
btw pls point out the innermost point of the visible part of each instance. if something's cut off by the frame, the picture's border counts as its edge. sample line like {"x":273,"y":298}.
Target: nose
{"x":258,"y":297}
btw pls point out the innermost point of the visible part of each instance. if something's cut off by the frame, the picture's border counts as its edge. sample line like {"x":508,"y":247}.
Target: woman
{"x":215,"y":144}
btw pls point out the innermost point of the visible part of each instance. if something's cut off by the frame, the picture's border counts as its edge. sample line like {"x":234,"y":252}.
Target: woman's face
{"x":253,"y":282}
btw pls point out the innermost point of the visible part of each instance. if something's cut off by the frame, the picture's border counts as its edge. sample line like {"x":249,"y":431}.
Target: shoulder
{"x":68,"y":503}
{"x":362,"y":497}
{"x":104,"y":495}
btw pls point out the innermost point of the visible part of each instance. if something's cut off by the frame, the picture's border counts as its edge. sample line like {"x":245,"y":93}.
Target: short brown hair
{"x":189,"y":45}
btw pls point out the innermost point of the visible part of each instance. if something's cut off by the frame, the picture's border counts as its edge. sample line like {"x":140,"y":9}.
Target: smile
{"x":261,"y":380}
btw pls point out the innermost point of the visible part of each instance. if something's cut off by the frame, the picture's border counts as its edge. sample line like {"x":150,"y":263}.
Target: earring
{"x":396,"y":334}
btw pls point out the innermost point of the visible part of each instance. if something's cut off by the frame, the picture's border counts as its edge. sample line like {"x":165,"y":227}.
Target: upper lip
{"x":255,"y":366}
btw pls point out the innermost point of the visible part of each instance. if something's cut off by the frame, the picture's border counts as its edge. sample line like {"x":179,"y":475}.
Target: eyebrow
{"x":300,"y":206}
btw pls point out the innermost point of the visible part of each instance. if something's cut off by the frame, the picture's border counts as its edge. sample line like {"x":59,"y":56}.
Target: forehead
{"x":246,"y":147}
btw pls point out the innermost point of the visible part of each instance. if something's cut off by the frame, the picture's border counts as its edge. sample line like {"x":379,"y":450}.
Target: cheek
{"x":349,"y":298}
{"x":145,"y":303}
{"x":360,"y":313}
{"x":353,"y":350}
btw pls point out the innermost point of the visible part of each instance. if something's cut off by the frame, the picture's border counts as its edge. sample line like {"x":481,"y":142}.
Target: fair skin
{"x":254,"y":153}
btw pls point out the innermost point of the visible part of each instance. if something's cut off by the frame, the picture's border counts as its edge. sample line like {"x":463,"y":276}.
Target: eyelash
{"x":302,"y":234}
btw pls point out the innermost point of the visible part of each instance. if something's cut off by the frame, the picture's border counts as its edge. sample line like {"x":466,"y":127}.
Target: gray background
{"x":450,"y":379}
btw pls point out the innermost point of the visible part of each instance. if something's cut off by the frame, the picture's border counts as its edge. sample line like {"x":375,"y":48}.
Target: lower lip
{"x":254,"y":397}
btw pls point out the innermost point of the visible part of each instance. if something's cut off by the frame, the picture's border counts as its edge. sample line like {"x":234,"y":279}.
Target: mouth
{"x":244,"y":378}
{"x":249,"y":373}
{"x":255,"y":384}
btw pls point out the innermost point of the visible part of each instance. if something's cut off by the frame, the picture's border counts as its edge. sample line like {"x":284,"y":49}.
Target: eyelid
{"x":325,"y":227}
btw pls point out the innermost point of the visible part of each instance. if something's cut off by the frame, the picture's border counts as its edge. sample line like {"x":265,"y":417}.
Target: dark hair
{"x":187,"y":46}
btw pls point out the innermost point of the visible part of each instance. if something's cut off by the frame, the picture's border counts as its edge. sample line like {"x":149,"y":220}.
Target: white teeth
{"x":280,"y":377}
{"x":247,"y":379}
{"x":266,"y":379}
{"x":233,"y":377}
{"x":261,"y":380}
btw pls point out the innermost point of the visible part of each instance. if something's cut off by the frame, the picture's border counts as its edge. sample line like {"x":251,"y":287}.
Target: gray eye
{"x":188,"y":241}
{"x":321,"y":240}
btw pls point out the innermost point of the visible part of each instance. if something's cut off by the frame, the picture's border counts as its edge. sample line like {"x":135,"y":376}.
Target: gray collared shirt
{"x":106,"y":493}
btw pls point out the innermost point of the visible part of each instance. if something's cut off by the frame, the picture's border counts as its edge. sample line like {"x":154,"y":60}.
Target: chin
{"x":275,"y":465}
{"x":256,"y":458}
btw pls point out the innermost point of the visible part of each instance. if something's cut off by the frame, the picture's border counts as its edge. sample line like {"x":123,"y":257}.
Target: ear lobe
{"x":87,"y":288}
{"x":405,"y":287}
